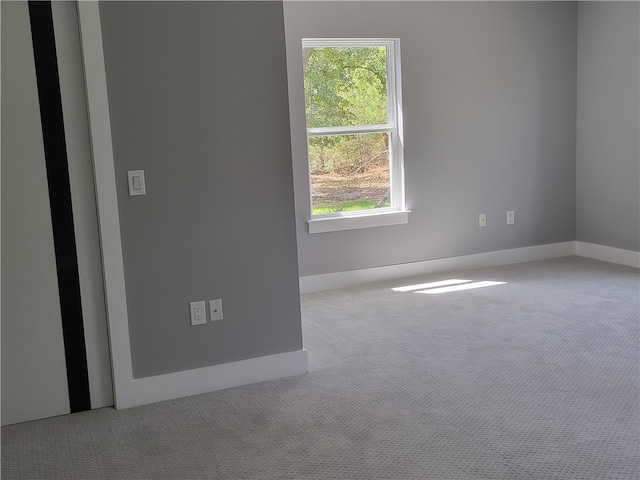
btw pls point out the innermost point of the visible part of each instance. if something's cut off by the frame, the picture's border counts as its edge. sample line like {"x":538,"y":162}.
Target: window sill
{"x":335,"y":223}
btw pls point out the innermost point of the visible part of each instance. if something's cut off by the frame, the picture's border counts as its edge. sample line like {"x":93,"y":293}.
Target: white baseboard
{"x":208,"y":379}
{"x":608,"y":254}
{"x":317,"y":283}
{"x":218,"y":377}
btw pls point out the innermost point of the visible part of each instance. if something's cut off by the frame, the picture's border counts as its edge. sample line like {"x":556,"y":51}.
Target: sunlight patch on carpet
{"x":446,"y":286}
{"x":422,"y":286}
{"x":457,"y":288}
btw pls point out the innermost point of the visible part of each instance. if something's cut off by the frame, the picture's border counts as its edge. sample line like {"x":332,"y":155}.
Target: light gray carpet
{"x":533,"y":379}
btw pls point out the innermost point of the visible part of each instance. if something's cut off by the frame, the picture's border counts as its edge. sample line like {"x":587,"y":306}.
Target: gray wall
{"x":34,"y":377}
{"x":198,"y":99}
{"x":489,"y":108}
{"x":608,"y":124}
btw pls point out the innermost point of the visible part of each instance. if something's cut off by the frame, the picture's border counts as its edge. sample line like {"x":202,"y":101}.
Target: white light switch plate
{"x":136,"y":183}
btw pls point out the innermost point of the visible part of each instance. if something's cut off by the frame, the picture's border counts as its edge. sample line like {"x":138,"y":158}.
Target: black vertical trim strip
{"x":55,"y":150}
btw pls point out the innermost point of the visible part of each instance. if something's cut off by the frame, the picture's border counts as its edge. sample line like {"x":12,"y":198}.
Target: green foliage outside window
{"x":347,"y":87}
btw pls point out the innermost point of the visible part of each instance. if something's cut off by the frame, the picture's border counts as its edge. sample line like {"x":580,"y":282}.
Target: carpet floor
{"x":533,"y":378}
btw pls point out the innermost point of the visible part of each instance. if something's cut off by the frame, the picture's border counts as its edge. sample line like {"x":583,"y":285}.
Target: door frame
{"x":106,"y":199}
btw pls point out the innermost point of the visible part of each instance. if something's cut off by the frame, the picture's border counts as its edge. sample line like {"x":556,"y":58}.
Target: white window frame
{"x":397,"y":212}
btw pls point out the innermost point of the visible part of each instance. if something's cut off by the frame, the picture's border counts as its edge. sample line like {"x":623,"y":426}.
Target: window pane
{"x":345,"y":86}
{"x":349,"y":172}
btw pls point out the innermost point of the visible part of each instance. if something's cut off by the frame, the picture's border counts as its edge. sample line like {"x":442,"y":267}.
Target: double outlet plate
{"x":511,"y":218}
{"x":199,"y":314}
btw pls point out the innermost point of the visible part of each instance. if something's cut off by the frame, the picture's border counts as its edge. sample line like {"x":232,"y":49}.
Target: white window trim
{"x":397,"y":213}
{"x":382,"y":217}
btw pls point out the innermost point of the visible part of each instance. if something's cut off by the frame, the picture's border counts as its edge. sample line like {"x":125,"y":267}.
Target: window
{"x":354,"y":133}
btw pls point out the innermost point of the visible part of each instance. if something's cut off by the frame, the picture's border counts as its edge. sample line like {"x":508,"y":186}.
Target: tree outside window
{"x":352,"y":126}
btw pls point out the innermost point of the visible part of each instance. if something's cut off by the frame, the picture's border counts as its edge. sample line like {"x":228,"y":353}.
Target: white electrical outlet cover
{"x":198,"y":314}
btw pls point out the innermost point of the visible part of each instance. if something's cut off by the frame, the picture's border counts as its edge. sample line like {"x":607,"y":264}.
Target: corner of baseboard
{"x":608,"y":254}
{"x":217,"y":377}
